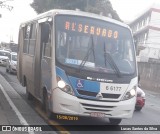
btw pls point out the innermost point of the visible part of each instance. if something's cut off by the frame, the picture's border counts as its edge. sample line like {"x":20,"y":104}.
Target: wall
{"x":152,"y":45}
{"x":149,"y":76}
{"x":155,"y":19}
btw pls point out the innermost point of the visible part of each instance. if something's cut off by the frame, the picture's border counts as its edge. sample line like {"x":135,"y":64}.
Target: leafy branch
{"x":94,"y":6}
{"x":4,"y":5}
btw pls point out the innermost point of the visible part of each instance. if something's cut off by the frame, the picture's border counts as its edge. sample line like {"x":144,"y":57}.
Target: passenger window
{"x":46,"y":39}
{"x":29,"y":39}
{"x":32,"y":39}
{"x":26,"y":38}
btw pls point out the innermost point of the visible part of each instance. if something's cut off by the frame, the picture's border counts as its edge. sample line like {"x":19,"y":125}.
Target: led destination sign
{"x":90,"y":29}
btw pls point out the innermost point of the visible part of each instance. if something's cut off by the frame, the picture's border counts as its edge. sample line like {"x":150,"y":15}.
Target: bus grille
{"x":93,"y":94}
{"x":113,"y":96}
{"x":97,"y":108}
{"x":87,"y":93}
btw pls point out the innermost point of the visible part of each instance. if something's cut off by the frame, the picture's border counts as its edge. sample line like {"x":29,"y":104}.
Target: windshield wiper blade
{"x":91,"y":49}
{"x":108,"y":58}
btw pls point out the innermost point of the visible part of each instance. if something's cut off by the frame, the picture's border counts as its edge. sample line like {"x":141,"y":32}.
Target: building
{"x":146,"y":33}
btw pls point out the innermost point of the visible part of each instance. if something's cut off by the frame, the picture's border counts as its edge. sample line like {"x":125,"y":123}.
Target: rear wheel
{"x":115,"y":121}
{"x":46,"y":105}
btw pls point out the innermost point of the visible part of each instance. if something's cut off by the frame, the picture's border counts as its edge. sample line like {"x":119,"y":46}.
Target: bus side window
{"x":46,"y":39}
{"x":32,"y":39}
{"x":26,"y":38}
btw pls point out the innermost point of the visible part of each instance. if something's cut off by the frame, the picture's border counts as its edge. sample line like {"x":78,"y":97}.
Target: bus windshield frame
{"x":96,"y":45}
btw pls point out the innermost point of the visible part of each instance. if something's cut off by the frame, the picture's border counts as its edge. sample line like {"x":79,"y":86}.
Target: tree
{"x":4,"y":5}
{"x":94,"y":6}
{"x":41,"y":6}
{"x":102,"y":7}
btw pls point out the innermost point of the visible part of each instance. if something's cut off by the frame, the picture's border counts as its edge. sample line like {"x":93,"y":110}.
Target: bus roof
{"x":77,"y":13}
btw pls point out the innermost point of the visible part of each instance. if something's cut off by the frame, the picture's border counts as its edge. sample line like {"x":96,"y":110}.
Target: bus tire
{"x":115,"y":121}
{"x":138,"y":108}
{"x":28,"y":94}
{"x":46,"y":105}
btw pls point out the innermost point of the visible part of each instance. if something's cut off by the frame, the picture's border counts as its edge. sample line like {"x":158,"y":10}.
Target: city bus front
{"x":95,"y":68}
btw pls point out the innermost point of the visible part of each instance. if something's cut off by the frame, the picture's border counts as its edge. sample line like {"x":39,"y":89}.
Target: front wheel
{"x":138,"y":108}
{"x":115,"y":121}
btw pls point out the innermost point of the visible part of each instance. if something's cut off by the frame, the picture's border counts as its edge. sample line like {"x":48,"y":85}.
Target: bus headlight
{"x":61,"y":84}
{"x":65,"y":87}
{"x":130,"y":94}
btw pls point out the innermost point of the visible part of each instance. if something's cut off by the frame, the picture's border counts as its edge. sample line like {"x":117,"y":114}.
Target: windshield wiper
{"x":108,"y":58}
{"x":91,"y":49}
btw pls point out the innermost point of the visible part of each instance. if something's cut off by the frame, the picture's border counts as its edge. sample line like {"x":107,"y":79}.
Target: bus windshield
{"x":95,"y":45}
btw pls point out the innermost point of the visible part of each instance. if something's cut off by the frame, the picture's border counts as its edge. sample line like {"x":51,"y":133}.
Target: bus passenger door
{"x":37,"y":67}
{"x":41,"y":59}
{"x":46,"y":56}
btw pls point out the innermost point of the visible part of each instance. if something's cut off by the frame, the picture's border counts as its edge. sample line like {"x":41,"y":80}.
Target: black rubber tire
{"x":46,"y":105}
{"x":138,"y":108}
{"x":115,"y":121}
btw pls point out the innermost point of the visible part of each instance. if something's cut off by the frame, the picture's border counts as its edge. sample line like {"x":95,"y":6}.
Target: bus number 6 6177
{"x":113,"y":88}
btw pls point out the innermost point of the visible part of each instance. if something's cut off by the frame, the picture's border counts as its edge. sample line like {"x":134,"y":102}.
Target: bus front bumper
{"x":71,"y":105}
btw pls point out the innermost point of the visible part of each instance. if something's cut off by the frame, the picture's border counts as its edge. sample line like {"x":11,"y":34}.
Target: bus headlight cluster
{"x":65,"y":87}
{"x":130,"y":94}
{"x":61,"y":84}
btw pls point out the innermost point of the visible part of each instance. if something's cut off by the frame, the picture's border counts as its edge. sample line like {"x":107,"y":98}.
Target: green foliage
{"x":4,"y":5}
{"x":94,"y":6}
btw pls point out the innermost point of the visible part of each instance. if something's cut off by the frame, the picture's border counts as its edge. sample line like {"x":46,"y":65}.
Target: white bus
{"x":79,"y":63}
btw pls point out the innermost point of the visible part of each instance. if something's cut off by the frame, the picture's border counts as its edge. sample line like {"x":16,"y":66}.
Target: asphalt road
{"x":150,"y":114}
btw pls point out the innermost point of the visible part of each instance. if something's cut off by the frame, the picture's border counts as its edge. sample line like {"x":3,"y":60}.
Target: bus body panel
{"x":28,"y":71}
{"x":85,"y":105}
{"x":46,"y":74}
{"x":37,"y":64}
{"x":64,"y":105}
{"x":41,"y":74}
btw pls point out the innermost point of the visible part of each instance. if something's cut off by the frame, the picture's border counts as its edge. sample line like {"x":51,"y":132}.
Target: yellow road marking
{"x":61,"y":129}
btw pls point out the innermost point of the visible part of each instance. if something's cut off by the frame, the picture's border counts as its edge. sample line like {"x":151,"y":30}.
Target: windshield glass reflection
{"x":83,"y":50}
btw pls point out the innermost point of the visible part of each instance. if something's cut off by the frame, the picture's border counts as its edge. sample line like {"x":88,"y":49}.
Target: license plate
{"x":97,"y":114}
